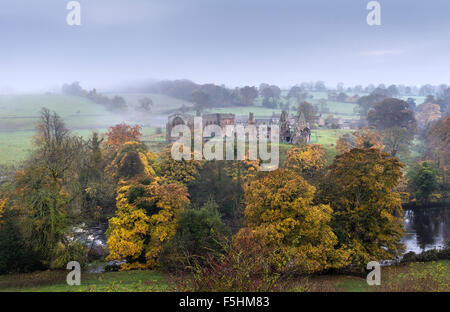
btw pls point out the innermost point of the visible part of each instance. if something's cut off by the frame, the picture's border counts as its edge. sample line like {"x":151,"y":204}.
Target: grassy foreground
{"x":431,"y":276}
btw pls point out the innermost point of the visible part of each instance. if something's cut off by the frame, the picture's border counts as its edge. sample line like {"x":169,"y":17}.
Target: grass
{"x":17,"y":145}
{"x":430,"y":276}
{"x":55,"y":281}
{"x":415,"y":277}
{"x":328,"y":138}
{"x":20,"y":113}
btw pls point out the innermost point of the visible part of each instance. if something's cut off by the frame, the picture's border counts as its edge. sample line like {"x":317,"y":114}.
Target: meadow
{"x":20,"y":113}
{"x":428,"y":276}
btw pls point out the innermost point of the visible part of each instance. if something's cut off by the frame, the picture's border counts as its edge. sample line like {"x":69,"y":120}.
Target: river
{"x":426,"y":228}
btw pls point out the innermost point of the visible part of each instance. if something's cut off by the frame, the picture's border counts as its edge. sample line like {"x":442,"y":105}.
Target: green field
{"x":20,"y":113}
{"x":328,"y":138}
{"x":430,"y":276}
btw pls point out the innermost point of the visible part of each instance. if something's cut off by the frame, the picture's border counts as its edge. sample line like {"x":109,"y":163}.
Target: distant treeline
{"x":115,"y":104}
{"x":206,"y":95}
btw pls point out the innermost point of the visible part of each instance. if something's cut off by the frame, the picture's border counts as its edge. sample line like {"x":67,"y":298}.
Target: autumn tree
{"x":181,"y":171}
{"x":437,"y":140}
{"x":279,"y":209}
{"x":367,"y":213}
{"x":307,"y":160}
{"x":397,"y":140}
{"x":120,"y":134}
{"x":3,"y":202}
{"x":131,"y":160}
{"x":146,"y":219}
{"x":47,"y":190}
{"x":147,"y":208}
{"x":428,"y":113}
{"x":362,"y":138}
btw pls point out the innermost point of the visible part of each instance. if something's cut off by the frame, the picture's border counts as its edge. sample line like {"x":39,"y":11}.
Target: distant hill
{"x":21,"y":112}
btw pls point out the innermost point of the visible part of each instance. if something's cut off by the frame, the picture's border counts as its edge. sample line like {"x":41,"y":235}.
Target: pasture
{"x":429,"y":276}
{"x":20,"y":113}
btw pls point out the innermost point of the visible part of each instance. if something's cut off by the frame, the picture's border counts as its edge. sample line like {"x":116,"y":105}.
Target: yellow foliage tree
{"x":147,"y":209}
{"x":132,"y":159}
{"x":360,"y":187}
{"x":182,"y":171}
{"x":279,"y":208}
{"x":306,"y":160}
{"x":170,"y":200}
{"x":427,"y":114}
{"x":3,"y":202}
{"x":128,"y":230}
{"x":146,"y":218}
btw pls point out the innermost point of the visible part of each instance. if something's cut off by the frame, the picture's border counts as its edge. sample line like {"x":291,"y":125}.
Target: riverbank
{"x":430,"y":276}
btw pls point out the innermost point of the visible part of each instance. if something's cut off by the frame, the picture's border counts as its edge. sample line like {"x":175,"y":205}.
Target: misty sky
{"x":234,"y":42}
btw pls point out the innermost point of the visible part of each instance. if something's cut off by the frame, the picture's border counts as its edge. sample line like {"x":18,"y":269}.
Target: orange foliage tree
{"x":122,"y":133}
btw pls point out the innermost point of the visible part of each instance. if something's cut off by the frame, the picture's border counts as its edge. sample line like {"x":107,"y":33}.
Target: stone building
{"x":221,"y":120}
{"x":293,"y":130}
{"x":301,"y":133}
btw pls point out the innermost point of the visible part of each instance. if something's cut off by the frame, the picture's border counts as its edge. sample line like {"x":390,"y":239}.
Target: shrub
{"x":427,"y":256}
{"x":73,"y":251}
{"x":113,"y":267}
{"x":243,"y":267}
{"x":14,"y":256}
{"x":199,"y":234}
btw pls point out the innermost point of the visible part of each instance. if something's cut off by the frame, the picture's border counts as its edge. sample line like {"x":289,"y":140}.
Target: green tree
{"x":423,"y":181}
{"x":200,"y":233}
{"x":47,"y":190}
{"x":397,"y":140}
{"x":391,"y":113}
{"x":307,"y":110}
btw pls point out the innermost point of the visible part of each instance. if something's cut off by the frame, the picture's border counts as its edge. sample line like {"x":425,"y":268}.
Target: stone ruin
{"x":292,"y":130}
